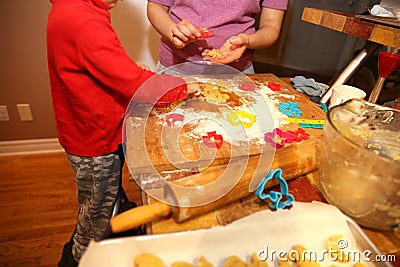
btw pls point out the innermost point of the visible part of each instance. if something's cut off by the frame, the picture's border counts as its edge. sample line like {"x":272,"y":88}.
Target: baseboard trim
{"x":32,"y":146}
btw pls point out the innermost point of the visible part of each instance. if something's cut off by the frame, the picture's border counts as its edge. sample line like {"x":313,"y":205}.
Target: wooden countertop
{"x":379,"y":30}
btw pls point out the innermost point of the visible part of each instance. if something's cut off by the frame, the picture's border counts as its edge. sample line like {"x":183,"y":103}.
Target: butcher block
{"x":156,"y":149}
{"x":167,"y":147}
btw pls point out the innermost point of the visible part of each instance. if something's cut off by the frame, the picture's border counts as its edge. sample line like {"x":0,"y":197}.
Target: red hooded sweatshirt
{"x":92,"y":78}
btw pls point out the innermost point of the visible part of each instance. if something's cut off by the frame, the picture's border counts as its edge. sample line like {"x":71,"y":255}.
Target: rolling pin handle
{"x":138,"y":216}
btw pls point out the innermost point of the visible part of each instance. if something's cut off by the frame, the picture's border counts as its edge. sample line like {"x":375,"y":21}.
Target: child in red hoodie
{"x":92,"y":81}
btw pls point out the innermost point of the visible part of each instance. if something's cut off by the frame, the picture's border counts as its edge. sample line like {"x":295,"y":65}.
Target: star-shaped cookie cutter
{"x":273,"y":196}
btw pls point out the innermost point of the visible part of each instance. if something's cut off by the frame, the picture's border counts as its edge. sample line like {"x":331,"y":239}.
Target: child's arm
{"x":179,"y":34}
{"x":166,"y":88}
{"x":269,"y":29}
{"x":267,"y":34}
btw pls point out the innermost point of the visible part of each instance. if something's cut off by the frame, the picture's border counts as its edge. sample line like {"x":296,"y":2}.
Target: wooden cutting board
{"x":151,"y":170}
{"x":163,"y":145}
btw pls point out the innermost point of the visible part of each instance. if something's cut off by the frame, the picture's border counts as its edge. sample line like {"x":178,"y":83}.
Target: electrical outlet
{"x":25,"y":112}
{"x":4,"y":113}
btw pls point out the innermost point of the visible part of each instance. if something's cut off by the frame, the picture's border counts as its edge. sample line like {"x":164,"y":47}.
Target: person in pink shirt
{"x":233,"y":25}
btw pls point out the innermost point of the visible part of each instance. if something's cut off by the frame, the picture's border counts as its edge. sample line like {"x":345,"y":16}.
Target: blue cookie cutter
{"x":276,"y":197}
{"x":324,"y":107}
{"x":290,"y":109}
{"x":311,"y":125}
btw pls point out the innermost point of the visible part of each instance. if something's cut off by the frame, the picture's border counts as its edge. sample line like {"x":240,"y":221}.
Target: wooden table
{"x":376,"y":31}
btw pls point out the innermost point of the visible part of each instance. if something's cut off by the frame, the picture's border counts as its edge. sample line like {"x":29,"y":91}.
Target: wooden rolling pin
{"x":294,"y":160}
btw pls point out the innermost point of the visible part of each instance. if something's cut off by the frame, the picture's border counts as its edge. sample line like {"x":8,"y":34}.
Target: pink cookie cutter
{"x":278,"y":138}
{"x":247,"y":87}
{"x":174,"y":117}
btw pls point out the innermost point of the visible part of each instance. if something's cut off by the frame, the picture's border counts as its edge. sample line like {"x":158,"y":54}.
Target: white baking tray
{"x":308,"y":224}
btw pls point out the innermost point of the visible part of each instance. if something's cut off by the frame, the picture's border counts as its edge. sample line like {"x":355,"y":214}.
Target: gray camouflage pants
{"x":98,"y":180}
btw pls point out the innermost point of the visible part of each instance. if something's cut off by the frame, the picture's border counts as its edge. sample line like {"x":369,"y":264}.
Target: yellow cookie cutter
{"x":241,"y":117}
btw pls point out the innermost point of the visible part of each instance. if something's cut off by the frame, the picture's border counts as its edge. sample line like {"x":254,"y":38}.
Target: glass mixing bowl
{"x":360,"y":163}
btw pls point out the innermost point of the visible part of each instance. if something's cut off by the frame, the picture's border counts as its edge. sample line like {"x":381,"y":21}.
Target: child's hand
{"x":143,"y":66}
{"x":193,"y":86}
{"x":231,"y":51}
{"x":184,"y":33}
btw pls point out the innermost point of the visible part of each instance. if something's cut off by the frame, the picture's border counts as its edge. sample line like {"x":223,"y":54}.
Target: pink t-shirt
{"x":226,"y":18}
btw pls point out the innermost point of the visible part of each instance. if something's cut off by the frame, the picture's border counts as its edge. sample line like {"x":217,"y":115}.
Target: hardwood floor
{"x":38,"y":208}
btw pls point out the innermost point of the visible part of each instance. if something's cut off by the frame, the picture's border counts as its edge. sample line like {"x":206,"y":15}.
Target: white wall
{"x":23,"y":66}
{"x":23,"y":69}
{"x":135,"y":32}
